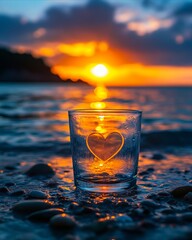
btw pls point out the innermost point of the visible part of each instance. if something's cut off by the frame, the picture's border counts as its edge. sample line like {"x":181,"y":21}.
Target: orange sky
{"x":139,"y":45}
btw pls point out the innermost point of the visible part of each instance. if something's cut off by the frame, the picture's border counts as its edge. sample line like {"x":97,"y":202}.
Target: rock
{"x":9,"y":184}
{"x":44,"y":215}
{"x":29,"y":206}
{"x":62,"y":221}
{"x":4,"y":190}
{"x":17,"y":193}
{"x":188,"y":197}
{"x":167,"y":211}
{"x":149,"y":204}
{"x":52,"y":184}
{"x":10,"y":167}
{"x":180,"y":192}
{"x":147,"y":224}
{"x":170,"y":219}
{"x":123,"y":220}
{"x":163,"y":194}
{"x":158,"y":156}
{"x":186,"y":217}
{"x":37,"y":194}
{"x":40,"y":169}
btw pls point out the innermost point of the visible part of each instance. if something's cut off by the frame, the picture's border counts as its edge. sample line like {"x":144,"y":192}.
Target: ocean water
{"x":34,"y":129}
{"x":34,"y":117}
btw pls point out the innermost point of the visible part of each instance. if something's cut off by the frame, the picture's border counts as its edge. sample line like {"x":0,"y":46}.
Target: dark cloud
{"x":95,"y":21}
{"x":184,"y":10}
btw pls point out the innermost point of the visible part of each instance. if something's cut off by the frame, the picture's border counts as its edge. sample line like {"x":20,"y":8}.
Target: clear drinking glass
{"x":105,"y":148}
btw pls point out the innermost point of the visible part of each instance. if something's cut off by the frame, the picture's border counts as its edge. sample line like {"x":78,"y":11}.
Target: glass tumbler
{"x":105,"y":148}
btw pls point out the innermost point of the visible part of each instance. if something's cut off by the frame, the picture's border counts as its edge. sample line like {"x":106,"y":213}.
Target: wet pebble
{"x":40,"y":169}
{"x":123,"y":220}
{"x":188,"y":197}
{"x":167,"y":211}
{"x":17,"y":193}
{"x":62,"y":221}
{"x":149,"y":204}
{"x":158,"y":156}
{"x":163,"y":194}
{"x":186,"y":217}
{"x":37,"y":194}
{"x":4,"y":190}
{"x":44,"y":215}
{"x":10,"y":167}
{"x":147,"y":224}
{"x":9,"y":184}
{"x":180,"y":192}
{"x":171,"y":219}
{"x":29,"y":206}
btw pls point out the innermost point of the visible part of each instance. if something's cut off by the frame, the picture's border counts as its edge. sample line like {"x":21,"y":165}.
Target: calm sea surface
{"x":33,"y":116}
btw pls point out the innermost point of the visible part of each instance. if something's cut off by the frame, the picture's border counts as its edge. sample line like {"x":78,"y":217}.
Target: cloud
{"x":95,"y":23}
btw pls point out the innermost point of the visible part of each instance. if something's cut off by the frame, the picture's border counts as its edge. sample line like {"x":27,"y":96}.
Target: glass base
{"x":109,"y":184}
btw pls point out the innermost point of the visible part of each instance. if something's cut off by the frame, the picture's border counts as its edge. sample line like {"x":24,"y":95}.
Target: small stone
{"x":17,"y":193}
{"x":158,"y":156}
{"x":9,"y":184}
{"x":123,"y":220}
{"x":29,"y":206}
{"x":167,"y":211}
{"x":163,"y":194}
{"x":62,"y":221}
{"x":149,"y":204}
{"x":52,"y":184}
{"x":44,"y":215}
{"x":37,"y":194}
{"x":180,"y":192}
{"x":188,"y":197}
{"x":4,"y":190}
{"x":40,"y":169}
{"x":148,"y":224}
{"x":186,"y":217}
{"x":10,"y":167}
{"x":171,"y":219}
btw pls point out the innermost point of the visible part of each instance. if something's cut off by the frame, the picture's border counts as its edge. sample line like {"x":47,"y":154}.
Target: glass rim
{"x":84,"y":111}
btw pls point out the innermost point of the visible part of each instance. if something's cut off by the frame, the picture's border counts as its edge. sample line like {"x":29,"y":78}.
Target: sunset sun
{"x":99,"y":70}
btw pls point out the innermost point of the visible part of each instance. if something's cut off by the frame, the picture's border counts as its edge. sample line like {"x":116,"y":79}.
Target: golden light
{"x":97,"y":105}
{"x":99,"y":70}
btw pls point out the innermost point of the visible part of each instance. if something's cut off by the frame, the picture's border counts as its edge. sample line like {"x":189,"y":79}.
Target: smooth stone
{"x":188,"y":197}
{"x":158,"y":156}
{"x":123,"y":220}
{"x":164,"y":194}
{"x":37,"y":194}
{"x":9,"y":184}
{"x":44,"y":215}
{"x":29,"y":206}
{"x":167,"y":211}
{"x":17,"y":193}
{"x":147,"y":224}
{"x":62,"y":221}
{"x":40,"y":169}
{"x":4,"y":190}
{"x":149,"y":204}
{"x":180,"y":192}
{"x":171,"y":219}
{"x":186,"y":217}
{"x":102,"y":226}
{"x":10,"y":167}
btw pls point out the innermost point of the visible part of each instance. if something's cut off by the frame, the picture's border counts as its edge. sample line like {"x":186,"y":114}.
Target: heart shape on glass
{"x":105,"y":148}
